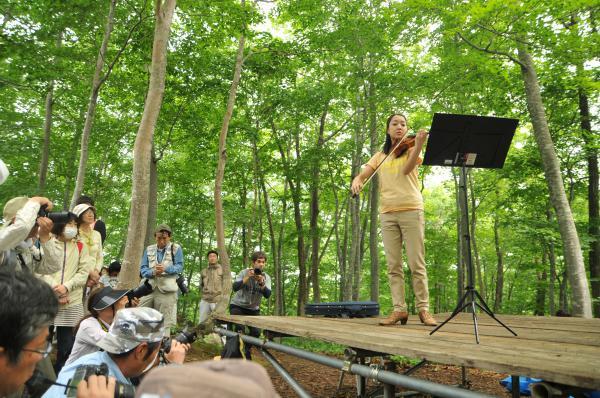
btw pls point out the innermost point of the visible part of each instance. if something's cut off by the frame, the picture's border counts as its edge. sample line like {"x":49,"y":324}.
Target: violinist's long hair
{"x":387,"y":146}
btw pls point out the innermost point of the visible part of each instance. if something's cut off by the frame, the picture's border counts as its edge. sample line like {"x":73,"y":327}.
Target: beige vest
{"x":212,"y":286}
{"x":164,"y":283}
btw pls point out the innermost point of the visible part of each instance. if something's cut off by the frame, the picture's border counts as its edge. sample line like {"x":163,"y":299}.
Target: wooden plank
{"x":567,"y":364}
{"x":539,"y":334}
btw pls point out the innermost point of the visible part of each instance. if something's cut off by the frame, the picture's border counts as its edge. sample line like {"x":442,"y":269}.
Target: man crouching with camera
{"x":131,"y":348}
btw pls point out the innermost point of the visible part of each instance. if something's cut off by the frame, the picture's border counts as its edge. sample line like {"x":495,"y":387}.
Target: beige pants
{"x":408,"y":227}
{"x":166,"y":304}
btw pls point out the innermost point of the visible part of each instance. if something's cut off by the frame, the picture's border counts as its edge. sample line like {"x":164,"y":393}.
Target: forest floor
{"x":322,"y":381}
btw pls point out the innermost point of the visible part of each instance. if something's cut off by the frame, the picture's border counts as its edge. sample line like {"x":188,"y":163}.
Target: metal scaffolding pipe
{"x":286,"y":376}
{"x":383,"y":376}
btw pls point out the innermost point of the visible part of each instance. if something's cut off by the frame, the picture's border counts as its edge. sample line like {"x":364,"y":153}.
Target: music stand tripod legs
{"x":469,"y":299}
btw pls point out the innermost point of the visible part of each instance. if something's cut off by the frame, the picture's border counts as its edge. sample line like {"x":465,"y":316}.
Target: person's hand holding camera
{"x":159,"y":269}
{"x":45,"y":225}
{"x":178,"y":352}
{"x":96,"y":387}
{"x":43,"y":202}
{"x":260,"y":279}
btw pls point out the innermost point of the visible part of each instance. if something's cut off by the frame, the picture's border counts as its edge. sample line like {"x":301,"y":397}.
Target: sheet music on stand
{"x":469,"y":141}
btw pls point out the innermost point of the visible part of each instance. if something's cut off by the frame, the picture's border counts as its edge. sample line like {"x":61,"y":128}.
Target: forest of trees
{"x":241,"y":124}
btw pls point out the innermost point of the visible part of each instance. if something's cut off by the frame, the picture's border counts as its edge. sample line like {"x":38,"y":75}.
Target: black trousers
{"x":64,"y":344}
{"x":254,"y":332}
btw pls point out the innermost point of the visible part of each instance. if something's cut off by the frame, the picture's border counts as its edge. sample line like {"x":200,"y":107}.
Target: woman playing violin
{"x":401,"y":214}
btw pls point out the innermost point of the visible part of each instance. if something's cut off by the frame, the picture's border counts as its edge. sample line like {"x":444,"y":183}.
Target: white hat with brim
{"x":82,"y":208}
{"x":13,"y":206}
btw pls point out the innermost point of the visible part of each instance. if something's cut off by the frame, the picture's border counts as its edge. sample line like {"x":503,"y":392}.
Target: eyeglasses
{"x":44,"y":353}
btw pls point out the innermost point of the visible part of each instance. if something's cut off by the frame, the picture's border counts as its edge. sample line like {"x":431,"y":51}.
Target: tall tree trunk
{"x":152,"y":197}
{"x":220,"y":173}
{"x":542,"y":285}
{"x":48,"y":105}
{"x":499,"y":266}
{"x":563,"y":297}
{"x":581,"y":300}
{"x":43,"y":172}
{"x":593,"y":210}
{"x":314,"y":208}
{"x":97,"y":82}
{"x":353,"y":271}
{"x":552,"y":262}
{"x":129,"y":276}
{"x":373,"y":198}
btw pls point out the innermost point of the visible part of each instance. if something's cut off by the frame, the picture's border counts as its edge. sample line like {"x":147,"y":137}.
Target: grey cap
{"x":163,"y":227}
{"x":131,"y":327}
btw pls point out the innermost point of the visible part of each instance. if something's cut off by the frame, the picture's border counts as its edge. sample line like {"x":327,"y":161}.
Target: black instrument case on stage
{"x":343,"y":309}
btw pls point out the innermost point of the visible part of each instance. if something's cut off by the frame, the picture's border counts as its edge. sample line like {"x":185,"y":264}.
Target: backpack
{"x":233,"y":348}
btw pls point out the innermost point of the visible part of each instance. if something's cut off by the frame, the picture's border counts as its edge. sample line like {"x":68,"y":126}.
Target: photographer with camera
{"x":161,"y":264}
{"x":27,"y":306}
{"x":130,"y":349}
{"x":28,"y":254}
{"x":20,"y":218}
{"x":102,"y":306}
{"x":250,"y":286}
{"x":211,"y":284}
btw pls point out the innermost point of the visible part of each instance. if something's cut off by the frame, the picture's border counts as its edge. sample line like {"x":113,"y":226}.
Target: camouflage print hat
{"x":131,"y":327}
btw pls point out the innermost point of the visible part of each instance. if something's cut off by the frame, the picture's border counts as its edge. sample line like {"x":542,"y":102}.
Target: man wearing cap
{"x":130,"y":348}
{"x":161,"y":264}
{"x":102,"y":306}
{"x":17,"y":250}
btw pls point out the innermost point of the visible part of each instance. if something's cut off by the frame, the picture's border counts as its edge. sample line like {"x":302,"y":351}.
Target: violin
{"x":403,"y":146}
{"x":406,"y":142}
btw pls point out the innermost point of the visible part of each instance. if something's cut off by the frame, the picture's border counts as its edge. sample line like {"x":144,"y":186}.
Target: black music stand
{"x":469,"y":141}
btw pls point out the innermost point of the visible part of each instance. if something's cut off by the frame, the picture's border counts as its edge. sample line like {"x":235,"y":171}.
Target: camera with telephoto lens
{"x":181,"y":284}
{"x":58,"y":217}
{"x":184,"y":337}
{"x":83,"y":372}
{"x":142,"y":290}
{"x":257,"y":271}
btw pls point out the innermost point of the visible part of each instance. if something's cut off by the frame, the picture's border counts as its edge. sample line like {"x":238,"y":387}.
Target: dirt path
{"x":322,"y":381}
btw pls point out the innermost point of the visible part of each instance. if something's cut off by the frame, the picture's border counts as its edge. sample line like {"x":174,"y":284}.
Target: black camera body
{"x":184,"y":337}
{"x":142,"y":290}
{"x":181,"y":284}
{"x":58,"y":217}
{"x":83,"y":372}
{"x":257,"y":271}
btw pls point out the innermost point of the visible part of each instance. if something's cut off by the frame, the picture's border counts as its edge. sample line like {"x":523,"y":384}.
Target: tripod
{"x":471,"y":295}
{"x":469,"y":141}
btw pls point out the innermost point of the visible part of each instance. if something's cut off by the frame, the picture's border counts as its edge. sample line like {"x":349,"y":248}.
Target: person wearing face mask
{"x":25,"y":255}
{"x":161,"y":265}
{"x":130,"y":348}
{"x":67,"y":283}
{"x":102,"y":306}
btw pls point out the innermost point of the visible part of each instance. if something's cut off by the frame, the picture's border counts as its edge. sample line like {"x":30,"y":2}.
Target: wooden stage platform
{"x":561,"y":350}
